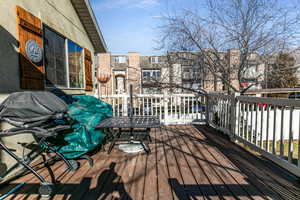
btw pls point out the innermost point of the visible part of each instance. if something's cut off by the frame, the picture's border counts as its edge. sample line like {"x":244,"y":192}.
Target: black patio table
{"x":131,"y":129}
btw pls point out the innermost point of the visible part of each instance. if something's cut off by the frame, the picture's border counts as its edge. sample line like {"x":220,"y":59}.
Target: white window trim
{"x":67,"y":67}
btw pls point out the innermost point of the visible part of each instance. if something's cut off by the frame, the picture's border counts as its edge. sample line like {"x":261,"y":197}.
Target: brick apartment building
{"x":172,"y":73}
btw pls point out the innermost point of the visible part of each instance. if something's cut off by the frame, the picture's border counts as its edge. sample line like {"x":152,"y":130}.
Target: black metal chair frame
{"x":41,"y":134}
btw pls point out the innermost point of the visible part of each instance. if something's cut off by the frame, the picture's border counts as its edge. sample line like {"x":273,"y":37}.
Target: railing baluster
{"x":176,"y":110}
{"x":193,"y":108}
{"x":228,"y":113}
{"x":247,"y":127}
{"x":113,"y":105}
{"x":184,"y":107}
{"x":251,"y":124}
{"x":188,"y":108}
{"x":267,"y":128}
{"x":290,"y":144}
{"x":281,"y":132}
{"x":299,"y":141}
{"x":148,"y":106}
{"x":256,"y":115}
{"x":239,"y":118}
{"x":143,"y":105}
{"x":274,"y":130}
{"x":261,"y":125}
{"x":243,"y":120}
{"x":151,"y":104}
{"x":221,"y":113}
{"x":160,"y":112}
{"x":171,"y":98}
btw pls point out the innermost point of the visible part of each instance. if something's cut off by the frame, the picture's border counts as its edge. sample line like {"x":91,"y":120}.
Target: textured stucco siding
{"x":59,"y":15}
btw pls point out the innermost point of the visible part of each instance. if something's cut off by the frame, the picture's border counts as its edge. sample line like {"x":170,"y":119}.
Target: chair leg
{"x":23,"y":163}
{"x":70,"y":164}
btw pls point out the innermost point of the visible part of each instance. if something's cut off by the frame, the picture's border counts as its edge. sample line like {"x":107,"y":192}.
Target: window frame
{"x":151,"y":73}
{"x":44,"y":26}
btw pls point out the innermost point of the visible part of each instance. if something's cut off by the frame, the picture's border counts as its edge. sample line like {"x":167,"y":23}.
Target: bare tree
{"x":264,"y":27}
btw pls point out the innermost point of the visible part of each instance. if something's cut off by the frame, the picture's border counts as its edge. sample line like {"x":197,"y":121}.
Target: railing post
{"x":165,"y":108}
{"x":207,"y":109}
{"x":125,"y":105}
{"x":233,"y":114}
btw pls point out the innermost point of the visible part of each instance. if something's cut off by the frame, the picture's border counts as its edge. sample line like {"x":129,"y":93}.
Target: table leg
{"x":114,"y":139}
{"x":145,"y":147}
{"x":148,"y":135}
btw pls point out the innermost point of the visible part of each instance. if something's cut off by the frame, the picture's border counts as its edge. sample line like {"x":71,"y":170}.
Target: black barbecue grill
{"x":40,"y":114}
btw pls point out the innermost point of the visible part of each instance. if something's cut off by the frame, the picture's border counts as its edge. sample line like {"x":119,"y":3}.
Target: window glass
{"x":120,"y":59}
{"x":150,"y":75}
{"x":75,"y":56}
{"x":156,"y":59}
{"x":55,"y":59}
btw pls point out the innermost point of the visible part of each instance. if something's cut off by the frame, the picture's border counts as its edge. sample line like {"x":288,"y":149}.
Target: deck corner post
{"x":233,"y":113}
{"x":207,"y":109}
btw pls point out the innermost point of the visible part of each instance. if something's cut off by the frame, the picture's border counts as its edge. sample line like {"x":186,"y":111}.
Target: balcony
{"x":198,"y":153}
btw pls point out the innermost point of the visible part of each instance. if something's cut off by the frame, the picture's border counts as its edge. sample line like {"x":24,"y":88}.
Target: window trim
{"x":44,"y":26}
{"x":83,"y":66}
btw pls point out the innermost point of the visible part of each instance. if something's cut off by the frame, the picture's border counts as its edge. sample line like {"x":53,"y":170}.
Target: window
{"x":120,"y":59}
{"x":75,"y":56}
{"x":55,"y":59}
{"x":58,"y":52}
{"x":156,"y":59}
{"x":150,"y":75}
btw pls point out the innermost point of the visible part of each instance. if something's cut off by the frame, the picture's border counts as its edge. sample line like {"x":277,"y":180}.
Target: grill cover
{"x":22,"y":108}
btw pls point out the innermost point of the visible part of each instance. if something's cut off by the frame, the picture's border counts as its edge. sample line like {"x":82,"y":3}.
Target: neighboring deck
{"x":184,"y":164}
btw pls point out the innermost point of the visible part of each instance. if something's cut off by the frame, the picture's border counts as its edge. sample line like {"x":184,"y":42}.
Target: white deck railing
{"x":171,"y":109}
{"x":270,"y":126}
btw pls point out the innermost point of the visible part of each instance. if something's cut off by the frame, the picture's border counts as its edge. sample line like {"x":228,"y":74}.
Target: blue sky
{"x":129,"y":25}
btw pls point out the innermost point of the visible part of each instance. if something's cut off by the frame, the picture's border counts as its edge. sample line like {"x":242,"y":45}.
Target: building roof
{"x":88,"y":19}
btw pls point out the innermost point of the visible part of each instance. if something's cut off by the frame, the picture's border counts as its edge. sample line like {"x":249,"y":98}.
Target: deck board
{"x":162,"y":169}
{"x":186,"y":162}
{"x":230,"y":177}
{"x":199,"y":174}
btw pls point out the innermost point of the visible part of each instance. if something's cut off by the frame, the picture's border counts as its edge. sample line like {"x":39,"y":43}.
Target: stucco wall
{"x":59,"y":15}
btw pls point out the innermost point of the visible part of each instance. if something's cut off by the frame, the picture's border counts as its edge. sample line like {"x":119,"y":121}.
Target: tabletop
{"x":130,"y":122}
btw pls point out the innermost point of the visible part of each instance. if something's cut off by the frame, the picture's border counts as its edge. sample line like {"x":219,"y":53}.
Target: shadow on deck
{"x":186,"y":162}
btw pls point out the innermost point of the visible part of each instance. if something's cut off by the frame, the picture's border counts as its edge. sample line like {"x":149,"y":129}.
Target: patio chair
{"x":40,"y":114}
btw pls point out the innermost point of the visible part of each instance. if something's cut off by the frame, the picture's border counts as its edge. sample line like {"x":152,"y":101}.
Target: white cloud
{"x":109,"y":4}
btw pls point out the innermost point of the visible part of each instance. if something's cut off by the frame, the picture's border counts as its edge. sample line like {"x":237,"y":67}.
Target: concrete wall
{"x":59,"y":15}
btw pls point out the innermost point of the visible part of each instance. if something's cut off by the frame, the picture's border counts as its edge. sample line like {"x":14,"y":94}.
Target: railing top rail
{"x":221,"y":96}
{"x":149,"y":95}
{"x":270,"y":101}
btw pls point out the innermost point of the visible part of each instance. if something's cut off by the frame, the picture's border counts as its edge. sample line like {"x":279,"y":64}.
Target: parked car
{"x":262,"y":105}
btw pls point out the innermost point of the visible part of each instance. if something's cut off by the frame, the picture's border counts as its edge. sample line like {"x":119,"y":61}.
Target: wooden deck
{"x":186,"y":162}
